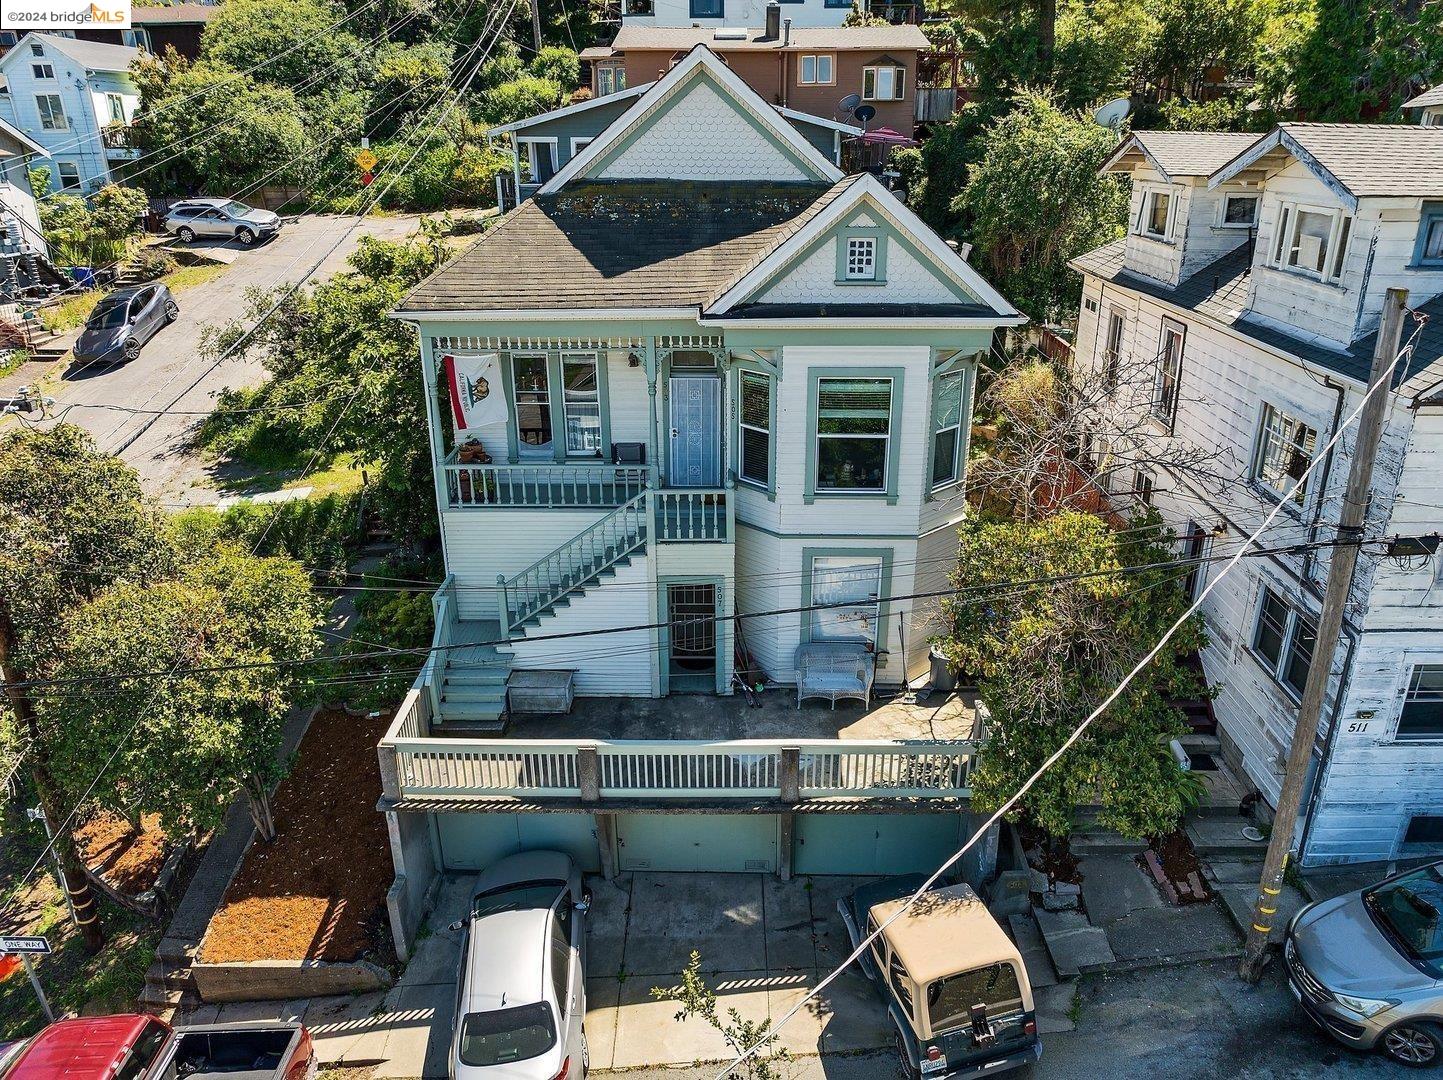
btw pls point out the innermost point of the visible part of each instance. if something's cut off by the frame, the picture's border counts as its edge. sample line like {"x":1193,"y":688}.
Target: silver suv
{"x":1367,"y":966}
{"x":223,"y":218}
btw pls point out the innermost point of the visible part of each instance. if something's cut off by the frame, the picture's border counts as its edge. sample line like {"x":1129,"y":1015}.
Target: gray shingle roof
{"x":1220,"y":290}
{"x":839,"y":38}
{"x":1193,"y":153}
{"x":1427,"y":97}
{"x":1376,"y":159}
{"x":623,"y":244}
{"x":95,"y":55}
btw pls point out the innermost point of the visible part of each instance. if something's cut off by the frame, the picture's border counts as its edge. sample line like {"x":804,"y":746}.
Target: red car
{"x":136,"y":1047}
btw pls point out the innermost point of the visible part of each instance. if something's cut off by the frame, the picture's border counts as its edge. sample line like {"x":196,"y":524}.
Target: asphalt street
{"x":161,"y":377}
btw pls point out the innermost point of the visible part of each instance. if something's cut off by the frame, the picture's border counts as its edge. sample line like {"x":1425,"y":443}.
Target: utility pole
{"x":73,"y":881}
{"x":1330,"y":626}
{"x":536,"y":23}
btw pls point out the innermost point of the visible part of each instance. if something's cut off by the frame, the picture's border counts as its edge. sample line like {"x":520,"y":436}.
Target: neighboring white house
{"x":719,"y":384}
{"x":19,"y":220}
{"x":1248,"y":291}
{"x":76,"y":99}
{"x":1429,"y":105}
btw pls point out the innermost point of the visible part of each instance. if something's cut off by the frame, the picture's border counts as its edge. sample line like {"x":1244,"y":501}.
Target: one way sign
{"x":24,"y":945}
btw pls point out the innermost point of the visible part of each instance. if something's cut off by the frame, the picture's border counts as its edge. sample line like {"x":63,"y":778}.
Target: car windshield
{"x":506,"y":1035}
{"x":523,"y":896}
{"x":1412,"y":908}
{"x":236,"y":209}
{"x":108,"y":316}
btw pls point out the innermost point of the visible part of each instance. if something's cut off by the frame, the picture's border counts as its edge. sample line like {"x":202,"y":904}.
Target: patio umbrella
{"x":887,"y":137}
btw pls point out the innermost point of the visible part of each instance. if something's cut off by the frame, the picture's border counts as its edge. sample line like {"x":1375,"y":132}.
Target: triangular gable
{"x":1279,"y":141}
{"x":920,"y":268}
{"x":1129,"y":146}
{"x":699,"y":122}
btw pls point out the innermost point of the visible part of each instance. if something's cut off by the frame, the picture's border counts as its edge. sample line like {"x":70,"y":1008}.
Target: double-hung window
{"x":754,"y":428}
{"x":1155,"y":220}
{"x":1285,"y":450}
{"x":946,"y":429}
{"x":1143,"y":485}
{"x":532,"y":391}
{"x":854,"y":434}
{"x":884,"y":82}
{"x":815,"y":70}
{"x":69,"y":174}
{"x":1112,"y":346}
{"x":1284,"y":640}
{"x":853,"y":585}
{"x":1429,"y":249}
{"x":1312,"y":241}
{"x":116,"y":106}
{"x":52,"y":112}
{"x":1422,"y":716}
{"x":610,"y":79}
{"x":581,"y":404}
{"x":1169,"y":372}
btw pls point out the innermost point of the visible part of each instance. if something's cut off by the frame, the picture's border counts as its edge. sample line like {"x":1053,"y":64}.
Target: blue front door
{"x":695,"y":432}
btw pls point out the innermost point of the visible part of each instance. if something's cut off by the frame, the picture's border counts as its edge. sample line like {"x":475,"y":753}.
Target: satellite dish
{"x":864,"y":113}
{"x":850,"y":102}
{"x":1113,"y":113}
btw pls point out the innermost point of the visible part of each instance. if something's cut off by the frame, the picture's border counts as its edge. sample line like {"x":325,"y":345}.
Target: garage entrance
{"x":875,"y":843}
{"x":474,"y":841}
{"x":707,"y":842}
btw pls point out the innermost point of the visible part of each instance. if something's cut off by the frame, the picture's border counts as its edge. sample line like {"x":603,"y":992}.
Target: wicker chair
{"x":835,"y":670}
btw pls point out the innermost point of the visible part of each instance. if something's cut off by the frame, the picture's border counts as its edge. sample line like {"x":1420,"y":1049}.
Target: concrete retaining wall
{"x":274,"y":980}
{"x":410,"y":895}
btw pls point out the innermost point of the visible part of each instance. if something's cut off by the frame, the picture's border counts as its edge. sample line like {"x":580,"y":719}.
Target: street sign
{"x":24,"y":945}
{"x":366,"y":161}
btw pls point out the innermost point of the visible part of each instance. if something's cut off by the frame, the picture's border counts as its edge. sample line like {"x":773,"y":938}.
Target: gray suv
{"x":1367,"y":966}
{"x":223,"y":218}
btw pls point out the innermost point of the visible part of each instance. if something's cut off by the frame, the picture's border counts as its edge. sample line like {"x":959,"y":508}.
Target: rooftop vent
{"x":730,"y":33}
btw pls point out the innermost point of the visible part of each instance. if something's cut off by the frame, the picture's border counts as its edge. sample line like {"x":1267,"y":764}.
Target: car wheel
{"x":186,"y":234}
{"x":1417,"y":1045}
{"x":245,"y":236}
{"x":904,"y":1059}
{"x":132,"y":349}
{"x":172,"y":311}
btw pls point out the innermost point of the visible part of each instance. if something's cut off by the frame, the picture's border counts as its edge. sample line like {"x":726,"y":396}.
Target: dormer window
{"x":1156,"y":220}
{"x":1312,"y":241}
{"x":1240,"y":211}
{"x":1429,"y":250}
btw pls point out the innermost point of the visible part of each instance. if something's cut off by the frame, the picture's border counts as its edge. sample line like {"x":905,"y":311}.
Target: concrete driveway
{"x":171,"y":362}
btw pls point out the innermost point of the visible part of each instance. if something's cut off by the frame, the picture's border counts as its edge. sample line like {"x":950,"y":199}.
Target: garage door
{"x":709,"y":842}
{"x":874,"y":843}
{"x":472,"y":841}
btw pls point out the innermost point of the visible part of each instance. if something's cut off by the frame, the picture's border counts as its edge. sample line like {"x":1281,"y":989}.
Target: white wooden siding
{"x":627,"y":399}
{"x":482,"y":542}
{"x":814,"y":280}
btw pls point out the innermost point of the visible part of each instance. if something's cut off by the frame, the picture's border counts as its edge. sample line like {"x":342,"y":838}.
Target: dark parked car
{"x":123,"y":322}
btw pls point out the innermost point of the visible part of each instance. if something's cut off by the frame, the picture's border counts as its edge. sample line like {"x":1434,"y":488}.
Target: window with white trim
{"x":581,"y":404}
{"x":1422,"y":715}
{"x":1155,"y":219}
{"x":52,"y":112}
{"x":42,"y":71}
{"x":854,"y":422}
{"x":37,"y":49}
{"x":1312,"y":241}
{"x":1284,"y":640}
{"x":610,"y":79}
{"x":1169,"y":372}
{"x":69,"y":175}
{"x":946,"y":429}
{"x":1240,"y":211}
{"x":538,"y":159}
{"x":754,"y":428}
{"x":1112,"y":347}
{"x":815,"y":70}
{"x":854,"y":583}
{"x":861,"y":258}
{"x":531,"y":394}
{"x":884,"y":82}
{"x":1284,"y":451}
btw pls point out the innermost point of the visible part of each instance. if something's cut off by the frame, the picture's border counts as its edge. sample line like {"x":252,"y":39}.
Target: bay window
{"x":581,"y":404}
{"x":1312,"y":241}
{"x":1285,"y":450}
{"x":884,"y":82}
{"x":754,"y":429}
{"x":854,"y":434}
{"x":854,"y":584}
{"x":946,"y":429}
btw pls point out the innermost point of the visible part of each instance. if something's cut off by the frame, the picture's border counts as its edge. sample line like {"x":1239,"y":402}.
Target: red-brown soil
{"x":317,"y":891}
{"x":129,"y":861}
{"x":1173,"y":862}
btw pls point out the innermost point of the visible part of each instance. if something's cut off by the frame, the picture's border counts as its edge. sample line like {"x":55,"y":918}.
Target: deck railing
{"x":542,"y":485}
{"x":693,"y":515}
{"x":786,"y":770}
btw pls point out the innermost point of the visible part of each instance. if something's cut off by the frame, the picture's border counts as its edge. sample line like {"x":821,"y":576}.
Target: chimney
{"x":787,"y":33}
{"x":774,"y":21}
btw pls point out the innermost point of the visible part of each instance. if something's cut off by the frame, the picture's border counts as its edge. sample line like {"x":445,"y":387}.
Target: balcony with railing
{"x":119,"y":141}
{"x":608,"y":754}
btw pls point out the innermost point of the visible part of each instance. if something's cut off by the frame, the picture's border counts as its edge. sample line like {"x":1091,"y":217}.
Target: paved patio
{"x":949,"y":716}
{"x":763,"y":943}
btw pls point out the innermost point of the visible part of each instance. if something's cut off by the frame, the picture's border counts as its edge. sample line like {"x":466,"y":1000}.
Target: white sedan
{"x":521,"y":992}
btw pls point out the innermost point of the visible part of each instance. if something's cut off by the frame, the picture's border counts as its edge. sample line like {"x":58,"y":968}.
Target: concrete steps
{"x":1221,"y":834}
{"x":169,"y":981}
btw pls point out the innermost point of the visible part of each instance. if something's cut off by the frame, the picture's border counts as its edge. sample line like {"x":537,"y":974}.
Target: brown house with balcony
{"x":809,"y":69}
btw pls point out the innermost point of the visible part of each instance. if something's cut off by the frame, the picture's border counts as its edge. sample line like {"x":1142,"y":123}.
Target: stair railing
{"x":554,"y":576}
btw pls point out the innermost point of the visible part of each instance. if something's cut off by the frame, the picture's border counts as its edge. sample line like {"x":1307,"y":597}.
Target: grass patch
{"x":281,"y":471}
{"x":187,"y":277}
{"x":12,"y":360}
{"x":69,"y":314}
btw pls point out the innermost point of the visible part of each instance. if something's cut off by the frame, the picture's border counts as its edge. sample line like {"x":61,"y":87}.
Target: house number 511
{"x":1358,"y":727}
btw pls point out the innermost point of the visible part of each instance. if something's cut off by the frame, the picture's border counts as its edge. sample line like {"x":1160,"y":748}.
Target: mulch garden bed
{"x":318,"y":890}
{"x":128,"y":860}
{"x":1175,"y":867}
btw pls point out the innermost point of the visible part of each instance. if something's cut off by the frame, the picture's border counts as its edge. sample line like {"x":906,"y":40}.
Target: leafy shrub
{"x":154,"y":262}
{"x":559,"y":64}
{"x":396,"y":618}
{"x":317,"y":532}
{"x":521,"y":97}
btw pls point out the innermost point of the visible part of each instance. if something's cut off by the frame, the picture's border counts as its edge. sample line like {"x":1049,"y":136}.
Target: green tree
{"x":698,"y":999}
{"x":1362,"y":61}
{"x":523,"y":96}
{"x":560,"y":65}
{"x":1046,"y":657}
{"x":185,"y":746}
{"x":294,"y":41}
{"x":1036,"y":199}
{"x":408,"y":80}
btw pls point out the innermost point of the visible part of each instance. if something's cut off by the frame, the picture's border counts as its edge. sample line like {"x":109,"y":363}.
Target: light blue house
{"x":701,"y":397}
{"x":76,"y":99}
